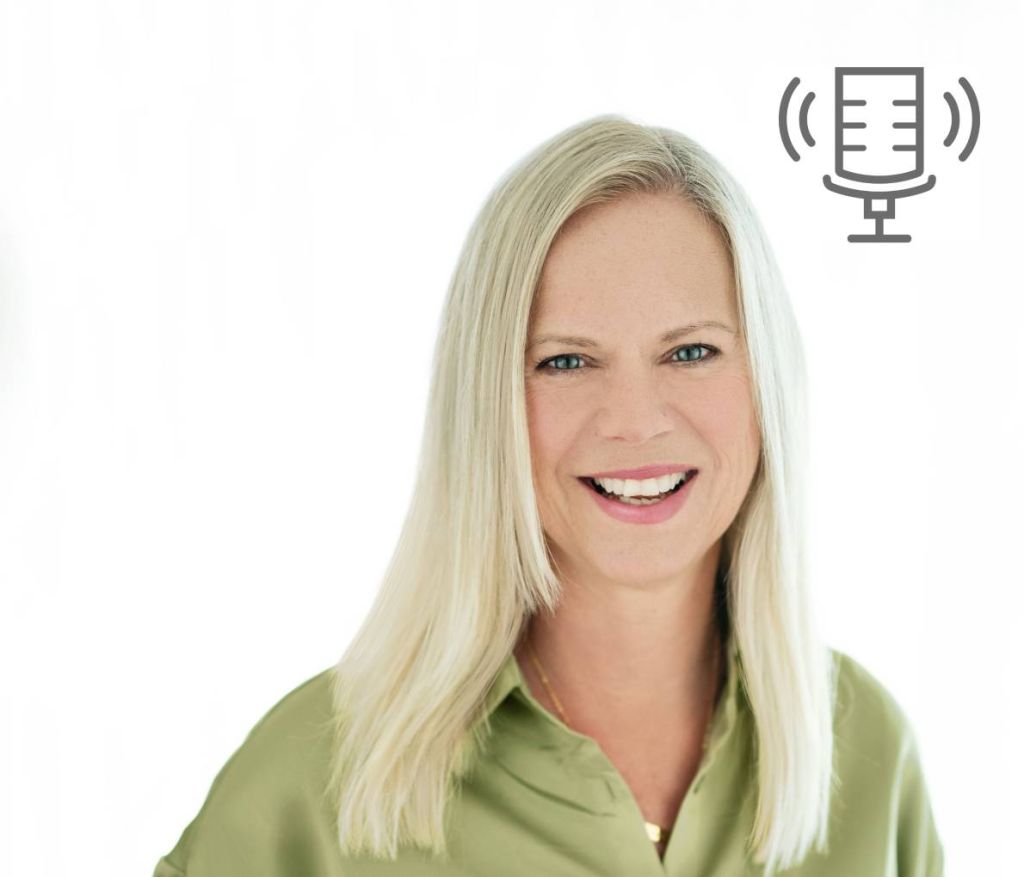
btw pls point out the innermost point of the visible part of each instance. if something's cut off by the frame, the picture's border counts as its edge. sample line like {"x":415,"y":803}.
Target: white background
{"x":226,"y":232}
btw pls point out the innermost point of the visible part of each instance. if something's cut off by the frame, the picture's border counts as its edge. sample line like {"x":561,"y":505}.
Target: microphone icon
{"x":896,"y":96}
{"x":879,"y":138}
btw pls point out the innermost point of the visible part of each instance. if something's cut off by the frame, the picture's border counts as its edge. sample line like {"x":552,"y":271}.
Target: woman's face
{"x":623,"y":274}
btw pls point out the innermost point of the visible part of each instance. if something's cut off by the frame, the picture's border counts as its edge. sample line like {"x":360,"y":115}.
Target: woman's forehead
{"x":678,"y":262}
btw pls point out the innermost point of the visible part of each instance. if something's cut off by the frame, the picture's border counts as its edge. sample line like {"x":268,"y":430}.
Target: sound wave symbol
{"x":805,"y":106}
{"x":954,"y":112}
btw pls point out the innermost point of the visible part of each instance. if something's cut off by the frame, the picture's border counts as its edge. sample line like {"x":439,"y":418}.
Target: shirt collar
{"x":509,"y":678}
{"x":542,"y":752}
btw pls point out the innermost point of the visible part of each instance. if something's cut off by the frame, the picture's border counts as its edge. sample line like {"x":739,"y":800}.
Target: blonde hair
{"x":471,"y":565}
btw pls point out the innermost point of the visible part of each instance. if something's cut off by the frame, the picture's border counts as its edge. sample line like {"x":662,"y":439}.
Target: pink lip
{"x":645,"y":471}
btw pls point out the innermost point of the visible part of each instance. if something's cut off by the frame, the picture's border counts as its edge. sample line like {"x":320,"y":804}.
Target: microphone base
{"x":871,"y":238}
{"x":879,"y":235}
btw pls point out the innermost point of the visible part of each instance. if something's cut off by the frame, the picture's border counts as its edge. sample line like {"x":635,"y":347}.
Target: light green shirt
{"x":546,"y":800}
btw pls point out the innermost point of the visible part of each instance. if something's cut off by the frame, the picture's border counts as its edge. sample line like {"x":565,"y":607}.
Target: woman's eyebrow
{"x":671,"y":335}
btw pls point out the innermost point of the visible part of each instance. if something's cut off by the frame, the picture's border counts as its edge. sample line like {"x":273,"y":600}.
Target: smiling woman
{"x":592,"y":652}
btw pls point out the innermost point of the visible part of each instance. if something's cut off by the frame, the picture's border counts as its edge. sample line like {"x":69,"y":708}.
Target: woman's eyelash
{"x":544,"y":364}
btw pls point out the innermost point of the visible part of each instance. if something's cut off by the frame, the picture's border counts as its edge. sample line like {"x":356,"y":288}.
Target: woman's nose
{"x":634,"y":408}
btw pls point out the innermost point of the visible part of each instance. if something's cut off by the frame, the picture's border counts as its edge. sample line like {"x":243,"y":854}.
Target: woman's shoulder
{"x":865,"y":706}
{"x":880,"y":785}
{"x":268,"y":796}
{"x":876,"y":746}
{"x":285,"y":745}
{"x":293,"y":723}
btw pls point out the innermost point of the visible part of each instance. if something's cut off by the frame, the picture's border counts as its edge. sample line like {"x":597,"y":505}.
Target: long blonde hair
{"x":471,"y":566}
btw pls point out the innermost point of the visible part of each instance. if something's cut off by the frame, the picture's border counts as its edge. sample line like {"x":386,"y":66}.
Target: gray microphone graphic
{"x":879,"y":140}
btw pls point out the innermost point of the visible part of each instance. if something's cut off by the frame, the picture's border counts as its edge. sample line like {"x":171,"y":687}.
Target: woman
{"x":558,"y":676}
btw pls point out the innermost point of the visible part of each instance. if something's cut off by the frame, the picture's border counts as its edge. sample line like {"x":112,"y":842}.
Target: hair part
{"x":471,"y":565}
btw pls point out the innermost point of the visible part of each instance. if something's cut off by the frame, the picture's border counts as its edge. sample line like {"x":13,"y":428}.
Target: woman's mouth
{"x":639,"y":500}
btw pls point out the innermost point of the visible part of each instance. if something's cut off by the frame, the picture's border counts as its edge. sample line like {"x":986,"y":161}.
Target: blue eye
{"x":548,"y":364}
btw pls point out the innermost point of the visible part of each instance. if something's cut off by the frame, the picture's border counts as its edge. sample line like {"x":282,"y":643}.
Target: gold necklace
{"x":654,"y":831}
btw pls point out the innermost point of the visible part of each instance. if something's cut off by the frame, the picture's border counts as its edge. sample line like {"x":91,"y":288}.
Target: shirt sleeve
{"x":919,"y":849}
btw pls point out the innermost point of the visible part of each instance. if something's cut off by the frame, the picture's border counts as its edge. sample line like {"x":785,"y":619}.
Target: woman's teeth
{"x":645,"y":492}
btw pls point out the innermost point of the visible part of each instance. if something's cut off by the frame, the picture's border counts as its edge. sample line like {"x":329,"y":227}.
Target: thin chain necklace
{"x":655,"y":832}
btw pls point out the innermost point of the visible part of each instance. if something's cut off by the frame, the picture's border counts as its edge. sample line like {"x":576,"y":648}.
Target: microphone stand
{"x":887,"y":211}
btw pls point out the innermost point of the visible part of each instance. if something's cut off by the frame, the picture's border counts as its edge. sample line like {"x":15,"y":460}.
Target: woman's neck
{"x":630,"y":659}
